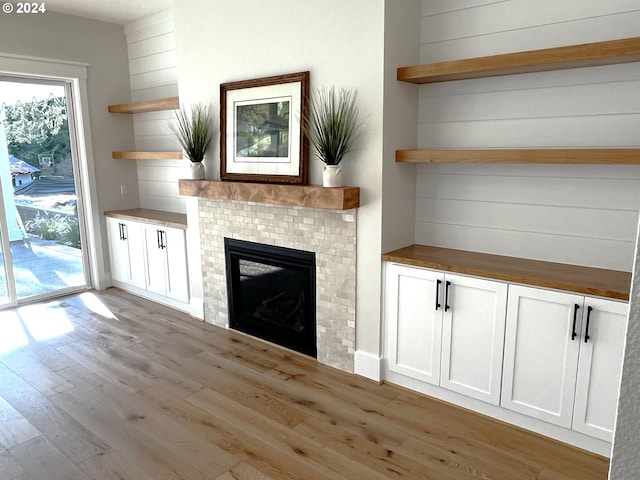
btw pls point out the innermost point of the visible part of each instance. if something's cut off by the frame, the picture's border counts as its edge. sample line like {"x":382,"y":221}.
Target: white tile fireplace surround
{"x":330,"y":234}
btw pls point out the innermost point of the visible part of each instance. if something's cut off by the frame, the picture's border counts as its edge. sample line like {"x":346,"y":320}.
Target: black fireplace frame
{"x":292,"y":259}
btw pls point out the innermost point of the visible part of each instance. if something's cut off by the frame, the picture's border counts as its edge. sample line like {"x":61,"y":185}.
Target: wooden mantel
{"x":309,"y":196}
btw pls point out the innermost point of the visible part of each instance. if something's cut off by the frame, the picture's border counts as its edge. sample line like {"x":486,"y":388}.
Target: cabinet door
{"x":177,"y":272}
{"x":600,"y":367}
{"x":118,"y":251}
{"x":126,"y":251}
{"x":413,"y":321}
{"x":135,"y":245}
{"x":473,"y":336}
{"x":541,"y":353}
{"x":156,"y":260}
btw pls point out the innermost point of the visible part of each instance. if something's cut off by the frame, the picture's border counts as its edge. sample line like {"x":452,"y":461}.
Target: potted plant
{"x":194,"y":130}
{"x":332,"y":127}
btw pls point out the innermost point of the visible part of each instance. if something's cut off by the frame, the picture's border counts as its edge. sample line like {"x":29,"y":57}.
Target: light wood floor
{"x":136,"y":391}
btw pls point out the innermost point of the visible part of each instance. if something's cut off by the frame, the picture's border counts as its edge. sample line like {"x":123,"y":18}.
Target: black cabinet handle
{"x":446,"y":295}
{"x":161,"y":237}
{"x":124,"y":231}
{"x":121,"y":231}
{"x":586,"y":330}
{"x":575,"y":316}
{"x":438,"y":282}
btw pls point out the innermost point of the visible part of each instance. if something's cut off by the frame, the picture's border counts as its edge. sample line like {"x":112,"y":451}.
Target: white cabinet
{"x":541,"y":353}
{"x":166,"y":262}
{"x":149,"y":259}
{"x":553,"y":356}
{"x":446,"y":329}
{"x":126,"y":252}
{"x":600,"y":367}
{"x":473,"y":336}
{"x":563,"y":358}
{"x":414,"y":322}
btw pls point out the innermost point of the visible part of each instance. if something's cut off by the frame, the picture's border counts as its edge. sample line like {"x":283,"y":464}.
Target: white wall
{"x":400,"y":110}
{"x":575,"y":214}
{"x":402,"y":31}
{"x":625,"y":461}
{"x":103,"y":46}
{"x":341,"y":43}
{"x":153,"y":75}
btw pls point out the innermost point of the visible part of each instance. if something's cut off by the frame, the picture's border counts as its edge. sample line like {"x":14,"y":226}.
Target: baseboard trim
{"x":196,"y":308}
{"x":184,"y":307}
{"x":561,"y":434}
{"x":367,"y":365}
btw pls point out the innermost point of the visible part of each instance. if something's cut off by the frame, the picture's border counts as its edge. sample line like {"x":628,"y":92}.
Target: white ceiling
{"x":114,"y":11}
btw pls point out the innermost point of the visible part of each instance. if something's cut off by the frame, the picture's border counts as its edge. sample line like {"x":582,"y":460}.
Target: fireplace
{"x":331,"y":235}
{"x":272,"y":293}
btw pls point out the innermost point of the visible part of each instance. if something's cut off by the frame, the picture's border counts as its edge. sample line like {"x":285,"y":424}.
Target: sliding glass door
{"x":41,"y":213}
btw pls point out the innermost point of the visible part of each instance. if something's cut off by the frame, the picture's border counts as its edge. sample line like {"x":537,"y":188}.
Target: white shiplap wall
{"x":152,"y":68}
{"x":575,"y":214}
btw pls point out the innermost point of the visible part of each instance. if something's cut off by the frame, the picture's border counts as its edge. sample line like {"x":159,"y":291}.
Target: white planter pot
{"x":332,"y":176}
{"x":197,"y":171}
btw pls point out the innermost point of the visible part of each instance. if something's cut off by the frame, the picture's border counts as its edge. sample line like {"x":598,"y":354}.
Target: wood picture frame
{"x":260,"y":135}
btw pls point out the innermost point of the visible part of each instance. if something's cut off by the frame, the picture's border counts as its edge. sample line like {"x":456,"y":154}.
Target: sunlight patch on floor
{"x":45,"y":321}
{"x":13,"y":333}
{"x":32,"y":323}
{"x":93,"y":303}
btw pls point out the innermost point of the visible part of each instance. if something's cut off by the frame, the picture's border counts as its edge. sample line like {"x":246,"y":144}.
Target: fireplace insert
{"x":272,"y":293}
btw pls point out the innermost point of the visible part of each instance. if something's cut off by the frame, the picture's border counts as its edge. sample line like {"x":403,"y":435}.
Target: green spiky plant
{"x":333,"y":124}
{"x":194,"y":130}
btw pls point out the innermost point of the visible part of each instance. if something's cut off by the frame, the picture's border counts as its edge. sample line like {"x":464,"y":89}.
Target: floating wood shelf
{"x":610,"y":156}
{"x":147,"y":155}
{"x":572,"y":278}
{"x":309,"y":196}
{"x":558,"y":58}
{"x":150,"y":106}
{"x":155,"y":217}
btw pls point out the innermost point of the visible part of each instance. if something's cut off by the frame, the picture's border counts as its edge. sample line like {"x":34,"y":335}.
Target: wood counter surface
{"x":146,"y":215}
{"x":573,"y":278}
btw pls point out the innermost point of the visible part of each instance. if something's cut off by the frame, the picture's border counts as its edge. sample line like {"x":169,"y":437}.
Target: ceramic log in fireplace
{"x":271,"y":293}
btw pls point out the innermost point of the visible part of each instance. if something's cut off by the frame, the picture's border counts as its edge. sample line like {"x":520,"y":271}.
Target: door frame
{"x":74,"y":75}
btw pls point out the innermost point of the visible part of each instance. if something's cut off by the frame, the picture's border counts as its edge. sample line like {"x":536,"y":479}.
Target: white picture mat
{"x":265,"y":165}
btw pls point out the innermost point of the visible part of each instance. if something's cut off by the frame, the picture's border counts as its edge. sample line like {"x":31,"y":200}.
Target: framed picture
{"x":260,"y":135}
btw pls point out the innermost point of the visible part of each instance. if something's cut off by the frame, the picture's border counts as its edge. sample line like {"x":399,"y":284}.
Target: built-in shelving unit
{"x":591,"y":281}
{"x":573,"y":278}
{"x":170,"y":103}
{"x":619,"y":156}
{"x":559,"y":58}
{"x":308,"y":196}
{"x":581,"y":283}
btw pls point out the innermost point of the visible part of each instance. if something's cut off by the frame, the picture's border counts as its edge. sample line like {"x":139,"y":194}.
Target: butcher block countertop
{"x":156,"y":217}
{"x":597,"y":282}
